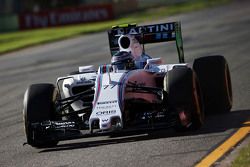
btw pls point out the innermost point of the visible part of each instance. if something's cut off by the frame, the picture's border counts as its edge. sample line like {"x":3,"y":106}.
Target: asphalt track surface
{"x":221,"y":30}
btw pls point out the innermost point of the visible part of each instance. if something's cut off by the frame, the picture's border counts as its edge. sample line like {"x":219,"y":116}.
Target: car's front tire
{"x":38,"y":107}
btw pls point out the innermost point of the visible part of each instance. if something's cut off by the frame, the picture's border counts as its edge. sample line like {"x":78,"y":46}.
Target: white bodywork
{"x":72,"y":81}
{"x":109,"y":88}
{"x":107,"y":105}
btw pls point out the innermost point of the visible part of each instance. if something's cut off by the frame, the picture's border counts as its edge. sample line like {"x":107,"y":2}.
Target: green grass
{"x":17,"y":40}
{"x":243,"y":159}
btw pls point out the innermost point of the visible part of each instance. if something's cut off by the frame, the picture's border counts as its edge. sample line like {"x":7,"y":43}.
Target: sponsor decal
{"x":105,"y":120}
{"x":83,"y":79}
{"x":65,"y":124}
{"x":107,"y":112}
{"x":65,"y":16}
{"x":156,"y":28}
{"x":106,"y":102}
{"x":106,"y":107}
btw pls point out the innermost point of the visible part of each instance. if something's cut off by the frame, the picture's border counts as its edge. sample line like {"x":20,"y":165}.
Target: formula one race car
{"x":129,"y":93}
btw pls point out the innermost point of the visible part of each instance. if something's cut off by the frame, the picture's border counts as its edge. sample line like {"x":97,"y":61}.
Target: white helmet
{"x":128,"y":43}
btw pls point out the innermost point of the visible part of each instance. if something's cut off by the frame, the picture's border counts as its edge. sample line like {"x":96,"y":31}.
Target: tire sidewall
{"x":38,"y":106}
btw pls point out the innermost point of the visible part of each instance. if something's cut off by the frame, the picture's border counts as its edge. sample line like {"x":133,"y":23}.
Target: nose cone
{"x":105,"y":123}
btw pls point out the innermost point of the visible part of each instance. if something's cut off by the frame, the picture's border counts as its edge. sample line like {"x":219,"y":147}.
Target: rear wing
{"x":154,"y":33}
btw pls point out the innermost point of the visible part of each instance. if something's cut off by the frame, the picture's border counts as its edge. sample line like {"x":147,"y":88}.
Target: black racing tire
{"x":184,"y":94}
{"x":214,"y":76}
{"x":38,"y":106}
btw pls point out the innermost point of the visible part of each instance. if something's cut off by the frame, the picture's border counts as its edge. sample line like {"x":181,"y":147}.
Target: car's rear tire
{"x":214,"y":76}
{"x":184,"y":98}
{"x":38,"y":106}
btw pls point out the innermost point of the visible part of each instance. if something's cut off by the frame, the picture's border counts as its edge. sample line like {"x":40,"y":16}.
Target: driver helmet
{"x":129,"y":43}
{"x":123,"y":60}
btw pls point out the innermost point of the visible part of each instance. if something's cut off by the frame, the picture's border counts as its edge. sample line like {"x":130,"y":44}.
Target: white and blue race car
{"x":133,"y":92}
